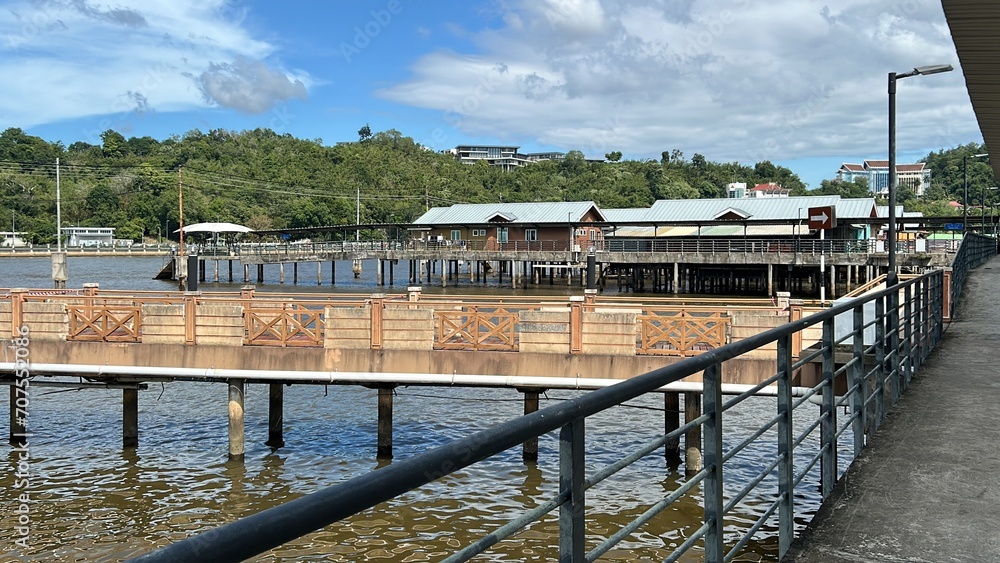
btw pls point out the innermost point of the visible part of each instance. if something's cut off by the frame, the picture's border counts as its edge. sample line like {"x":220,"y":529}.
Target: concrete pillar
{"x":770,"y":279}
{"x":216,"y":273}
{"x":275,"y":416}
{"x":260,"y":273}
{"x":281,"y":272}
{"x":130,"y":418}
{"x":230,"y":271}
{"x":380,"y":272}
{"x":295,"y":273}
{"x":236,"y":438}
{"x":391,"y":273}
{"x":385,"y":422}
{"x":444,"y":273}
{"x":319,"y":273}
{"x":671,"y":422}
{"x":246,"y":273}
{"x":333,"y":272}
{"x":833,"y":282}
{"x":692,"y":439}
{"x":677,"y":277}
{"x":529,"y":450}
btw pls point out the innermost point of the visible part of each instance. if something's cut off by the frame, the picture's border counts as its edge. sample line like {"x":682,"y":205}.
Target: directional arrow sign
{"x":822,"y":217}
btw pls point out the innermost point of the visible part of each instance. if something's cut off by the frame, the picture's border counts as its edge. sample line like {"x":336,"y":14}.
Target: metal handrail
{"x":890,"y":362}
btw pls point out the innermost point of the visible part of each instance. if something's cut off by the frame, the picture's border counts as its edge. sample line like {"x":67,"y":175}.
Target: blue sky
{"x":799,"y":82}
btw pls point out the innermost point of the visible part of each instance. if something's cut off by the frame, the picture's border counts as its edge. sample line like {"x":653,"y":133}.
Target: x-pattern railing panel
{"x":476,"y":330}
{"x":291,"y":325}
{"x":681,"y":333}
{"x":105,"y":323}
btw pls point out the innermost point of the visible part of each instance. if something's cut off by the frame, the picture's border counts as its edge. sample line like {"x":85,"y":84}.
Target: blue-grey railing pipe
{"x":828,"y":415}
{"x":713,"y":489}
{"x":858,"y":381}
{"x":880,"y":360}
{"x":260,"y":532}
{"x":786,"y":492}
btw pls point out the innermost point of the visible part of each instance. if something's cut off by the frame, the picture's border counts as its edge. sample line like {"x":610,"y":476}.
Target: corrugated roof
{"x":625,"y":214}
{"x":707,"y":231}
{"x":759,"y":209}
{"x":524,"y":213}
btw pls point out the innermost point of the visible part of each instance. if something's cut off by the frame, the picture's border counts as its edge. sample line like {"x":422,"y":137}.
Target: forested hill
{"x":267,"y":180}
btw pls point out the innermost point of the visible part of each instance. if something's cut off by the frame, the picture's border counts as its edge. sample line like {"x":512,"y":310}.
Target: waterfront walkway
{"x":927,"y":487}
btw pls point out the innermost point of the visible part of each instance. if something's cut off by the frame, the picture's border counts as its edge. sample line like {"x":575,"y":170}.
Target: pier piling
{"x":236,"y":438}
{"x":275,"y":416}
{"x":130,"y":418}
{"x":692,"y":439}
{"x":671,"y":422}
{"x":385,"y":422}
{"x":529,"y":450}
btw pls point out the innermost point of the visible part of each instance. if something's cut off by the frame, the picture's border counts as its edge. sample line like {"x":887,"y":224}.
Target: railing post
{"x":246,"y":299}
{"x":713,"y":492}
{"x":572,"y":514}
{"x":893,"y":330}
{"x":918,"y":311}
{"x":377,"y":304}
{"x":908,"y":335}
{"x":828,"y":415}
{"x":940,"y":292}
{"x":880,"y":360}
{"x":946,"y":309}
{"x":576,"y":324}
{"x":17,"y":296}
{"x":786,"y":479}
{"x":857,"y":373}
{"x":794,"y":314}
{"x":190,"y":310}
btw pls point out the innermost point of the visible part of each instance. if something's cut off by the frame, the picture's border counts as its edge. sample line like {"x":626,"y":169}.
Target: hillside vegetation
{"x":264,"y":180}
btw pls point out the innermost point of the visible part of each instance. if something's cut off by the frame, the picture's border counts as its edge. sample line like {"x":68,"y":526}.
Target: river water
{"x":92,"y":501}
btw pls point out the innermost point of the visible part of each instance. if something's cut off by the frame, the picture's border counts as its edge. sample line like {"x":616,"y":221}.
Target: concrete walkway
{"x":928,"y":486}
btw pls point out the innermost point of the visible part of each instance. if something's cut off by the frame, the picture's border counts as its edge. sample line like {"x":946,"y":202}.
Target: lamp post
{"x":891,"y":277}
{"x":965,"y":191}
{"x":983,"y":208}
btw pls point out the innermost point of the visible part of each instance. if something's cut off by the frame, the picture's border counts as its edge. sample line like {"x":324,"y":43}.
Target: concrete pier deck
{"x":927,"y":488}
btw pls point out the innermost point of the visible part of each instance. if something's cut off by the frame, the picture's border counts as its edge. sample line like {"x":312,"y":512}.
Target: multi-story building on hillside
{"x":914,"y":177}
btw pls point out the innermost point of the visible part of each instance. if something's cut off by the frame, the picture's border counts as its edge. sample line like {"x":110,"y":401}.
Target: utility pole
{"x":180,"y":204}
{"x":58,"y":212}
{"x":180,"y":266}
{"x":58,"y":257}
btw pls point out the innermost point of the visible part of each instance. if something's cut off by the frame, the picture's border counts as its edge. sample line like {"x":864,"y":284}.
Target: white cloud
{"x":731,"y":79}
{"x":83,"y":58}
{"x":248,"y":86}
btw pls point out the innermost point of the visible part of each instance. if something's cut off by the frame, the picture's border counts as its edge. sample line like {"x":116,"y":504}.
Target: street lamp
{"x":983,"y":208}
{"x":891,"y":277}
{"x":965,"y":192}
